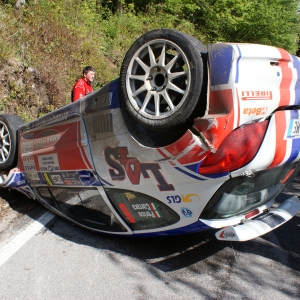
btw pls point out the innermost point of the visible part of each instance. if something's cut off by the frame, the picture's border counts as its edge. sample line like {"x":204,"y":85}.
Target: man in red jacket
{"x":83,"y":86}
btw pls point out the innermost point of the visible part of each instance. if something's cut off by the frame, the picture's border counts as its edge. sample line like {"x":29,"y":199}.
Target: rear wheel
{"x":162,"y":79}
{"x":9,"y":125}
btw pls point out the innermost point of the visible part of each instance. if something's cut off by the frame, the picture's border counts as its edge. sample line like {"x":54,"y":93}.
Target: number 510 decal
{"x":183,"y":198}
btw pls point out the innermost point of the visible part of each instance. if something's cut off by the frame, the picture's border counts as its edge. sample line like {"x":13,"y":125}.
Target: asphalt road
{"x":64,"y":261}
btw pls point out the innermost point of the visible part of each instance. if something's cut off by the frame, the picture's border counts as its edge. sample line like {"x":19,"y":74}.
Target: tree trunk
{"x":118,"y":6}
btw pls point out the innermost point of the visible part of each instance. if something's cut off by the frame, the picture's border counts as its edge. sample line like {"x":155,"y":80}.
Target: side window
{"x":141,"y":211}
{"x":85,"y":206}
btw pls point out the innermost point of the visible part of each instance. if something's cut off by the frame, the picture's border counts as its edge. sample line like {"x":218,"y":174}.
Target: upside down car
{"x":188,"y":138}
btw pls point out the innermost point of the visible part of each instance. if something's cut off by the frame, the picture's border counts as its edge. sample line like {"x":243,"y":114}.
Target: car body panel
{"x":87,"y":144}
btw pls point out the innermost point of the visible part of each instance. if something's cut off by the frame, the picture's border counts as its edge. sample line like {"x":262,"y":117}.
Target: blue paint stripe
{"x":296,"y":64}
{"x":237,"y":65}
{"x":295,"y":142}
{"x":220,"y":57}
{"x":193,"y":167}
{"x":188,"y":174}
{"x":104,"y":182}
{"x":194,"y":227}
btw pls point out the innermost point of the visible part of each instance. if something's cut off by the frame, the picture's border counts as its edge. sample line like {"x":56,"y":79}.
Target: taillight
{"x":237,"y":150}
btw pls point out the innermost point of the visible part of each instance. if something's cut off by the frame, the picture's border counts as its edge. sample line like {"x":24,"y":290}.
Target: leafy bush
{"x":57,"y":39}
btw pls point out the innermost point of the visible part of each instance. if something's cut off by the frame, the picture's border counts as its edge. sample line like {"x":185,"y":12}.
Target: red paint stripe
{"x":177,"y":147}
{"x":194,"y":155}
{"x":239,"y":113}
{"x":162,"y":153}
{"x":85,"y":158}
{"x":280,"y":119}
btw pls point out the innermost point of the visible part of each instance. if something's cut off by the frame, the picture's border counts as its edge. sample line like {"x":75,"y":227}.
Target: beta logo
{"x":255,"y":111}
{"x":186,"y":212}
{"x":183,"y":198}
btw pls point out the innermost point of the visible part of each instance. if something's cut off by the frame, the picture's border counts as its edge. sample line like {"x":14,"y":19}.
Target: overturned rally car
{"x":189,"y":138}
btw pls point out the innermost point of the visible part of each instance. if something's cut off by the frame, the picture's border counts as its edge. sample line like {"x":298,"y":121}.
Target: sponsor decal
{"x":47,"y":179}
{"x":155,"y":210}
{"x":103,"y":123}
{"x":227,"y":234}
{"x":27,"y":147}
{"x":183,"y":198}
{"x":129,"y":196}
{"x":58,"y":118}
{"x":28,"y":136}
{"x":151,"y":210}
{"x":56,"y":179}
{"x":122,"y":166}
{"x":146,"y":214}
{"x":73,"y":178}
{"x":48,"y":162}
{"x":127,"y":213}
{"x":46,"y":138}
{"x":141,"y":206}
{"x":104,"y":100}
{"x":294,"y":128}
{"x":257,"y":95}
{"x":255,"y":111}
{"x":29,"y":164}
{"x":32,"y":177}
{"x":186,"y":212}
{"x":68,"y":182}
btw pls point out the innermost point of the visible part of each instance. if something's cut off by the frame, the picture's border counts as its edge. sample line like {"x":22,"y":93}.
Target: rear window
{"x":241,"y":194}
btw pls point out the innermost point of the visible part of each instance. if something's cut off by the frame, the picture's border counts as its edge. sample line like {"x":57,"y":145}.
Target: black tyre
{"x":162,"y":79}
{"x":9,"y":125}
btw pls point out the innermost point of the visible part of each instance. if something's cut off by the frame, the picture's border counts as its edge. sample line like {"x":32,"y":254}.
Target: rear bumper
{"x":263,"y":224}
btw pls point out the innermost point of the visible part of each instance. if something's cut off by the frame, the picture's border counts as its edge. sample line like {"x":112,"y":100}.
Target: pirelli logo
{"x":103,"y":123}
{"x":257,"y":95}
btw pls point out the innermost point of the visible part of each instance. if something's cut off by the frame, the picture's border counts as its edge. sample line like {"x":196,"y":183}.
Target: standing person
{"x":83,"y":86}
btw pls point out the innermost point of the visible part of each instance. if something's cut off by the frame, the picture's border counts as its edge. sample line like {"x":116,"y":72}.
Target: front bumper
{"x":263,"y":224}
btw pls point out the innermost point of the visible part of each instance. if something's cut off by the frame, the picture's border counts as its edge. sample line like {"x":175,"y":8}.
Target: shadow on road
{"x":173,"y":253}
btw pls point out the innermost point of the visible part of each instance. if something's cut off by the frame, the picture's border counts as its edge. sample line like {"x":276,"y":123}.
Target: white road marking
{"x":22,"y":238}
{"x":164,"y":258}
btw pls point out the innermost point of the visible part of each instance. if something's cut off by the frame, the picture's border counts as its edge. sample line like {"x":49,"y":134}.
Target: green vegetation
{"x":54,"y":39}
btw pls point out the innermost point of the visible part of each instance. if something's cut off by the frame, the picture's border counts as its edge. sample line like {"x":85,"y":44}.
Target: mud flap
{"x":261,"y":225}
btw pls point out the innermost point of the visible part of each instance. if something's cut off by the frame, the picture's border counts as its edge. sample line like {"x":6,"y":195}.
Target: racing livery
{"x":189,"y":138}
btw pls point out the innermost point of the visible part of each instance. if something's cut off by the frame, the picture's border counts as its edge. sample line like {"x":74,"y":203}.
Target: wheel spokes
{"x":168,"y":100}
{"x":158,"y":79}
{"x":146,"y":101}
{"x":162,"y":58}
{"x":5,"y":151}
{"x":177,"y":74}
{"x":175,"y":88}
{"x":2,"y":132}
{"x":142,"y":64}
{"x":157,"y":104}
{"x":137,"y":77}
{"x":4,"y":143}
{"x":152,"y":57}
{"x":140,"y":90}
{"x":2,"y":155}
{"x":171,"y":63}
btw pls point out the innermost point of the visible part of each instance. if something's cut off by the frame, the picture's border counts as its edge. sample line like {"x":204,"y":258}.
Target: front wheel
{"x":162,"y":79}
{"x":9,"y":125}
